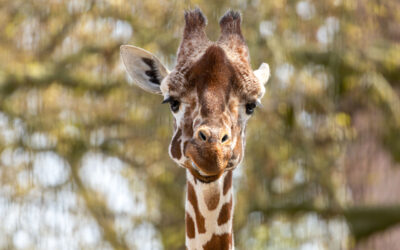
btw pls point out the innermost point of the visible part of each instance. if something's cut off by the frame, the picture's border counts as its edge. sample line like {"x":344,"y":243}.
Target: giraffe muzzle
{"x":208,"y":159}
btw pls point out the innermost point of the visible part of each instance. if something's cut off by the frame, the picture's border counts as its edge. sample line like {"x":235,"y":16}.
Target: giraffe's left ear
{"x":145,"y":69}
{"x":262,"y":73}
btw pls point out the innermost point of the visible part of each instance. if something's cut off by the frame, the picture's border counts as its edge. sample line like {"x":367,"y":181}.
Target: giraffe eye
{"x":250,"y":108}
{"x":174,"y":105}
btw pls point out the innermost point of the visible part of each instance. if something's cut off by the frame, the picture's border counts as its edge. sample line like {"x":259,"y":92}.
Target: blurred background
{"x":83,"y":153}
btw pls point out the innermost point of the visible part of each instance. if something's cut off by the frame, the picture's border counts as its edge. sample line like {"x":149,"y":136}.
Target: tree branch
{"x":362,"y":220}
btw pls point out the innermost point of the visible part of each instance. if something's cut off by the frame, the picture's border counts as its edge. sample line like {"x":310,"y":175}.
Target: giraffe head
{"x":212,"y":92}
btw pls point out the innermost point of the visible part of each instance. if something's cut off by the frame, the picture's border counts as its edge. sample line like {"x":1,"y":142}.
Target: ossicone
{"x":230,"y":23}
{"x":194,"y":21}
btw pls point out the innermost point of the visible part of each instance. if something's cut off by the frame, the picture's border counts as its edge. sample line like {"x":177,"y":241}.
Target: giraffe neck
{"x":209,"y":213}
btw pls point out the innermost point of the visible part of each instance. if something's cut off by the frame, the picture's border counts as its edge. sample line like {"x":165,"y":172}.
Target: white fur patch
{"x":178,"y":118}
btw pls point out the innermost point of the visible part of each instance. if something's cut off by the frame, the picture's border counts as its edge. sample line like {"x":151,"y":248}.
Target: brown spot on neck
{"x":225,"y":213}
{"x":190,"y":231}
{"x":227,"y":182}
{"x":220,"y":242}
{"x":191,"y":195}
{"x":211,"y":198}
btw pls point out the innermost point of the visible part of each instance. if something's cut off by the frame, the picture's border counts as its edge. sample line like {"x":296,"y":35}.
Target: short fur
{"x":213,"y":83}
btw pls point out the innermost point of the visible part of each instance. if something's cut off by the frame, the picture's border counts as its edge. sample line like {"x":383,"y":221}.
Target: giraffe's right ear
{"x":144,"y":68}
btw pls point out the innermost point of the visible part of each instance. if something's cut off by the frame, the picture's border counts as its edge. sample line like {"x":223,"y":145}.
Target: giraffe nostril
{"x":202,"y":136}
{"x":224,"y":138}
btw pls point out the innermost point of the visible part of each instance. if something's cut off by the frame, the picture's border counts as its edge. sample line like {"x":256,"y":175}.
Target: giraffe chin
{"x":197,"y":173}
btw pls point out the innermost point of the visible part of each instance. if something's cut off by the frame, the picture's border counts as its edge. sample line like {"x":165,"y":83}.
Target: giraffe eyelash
{"x":258,"y":104}
{"x":168,"y":99}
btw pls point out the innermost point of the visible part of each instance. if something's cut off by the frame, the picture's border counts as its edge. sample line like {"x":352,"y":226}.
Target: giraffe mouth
{"x":200,"y":175}
{"x":199,"y":170}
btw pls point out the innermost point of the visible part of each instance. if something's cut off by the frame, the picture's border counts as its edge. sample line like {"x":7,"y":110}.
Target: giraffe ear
{"x":144,"y":68}
{"x":262,"y":73}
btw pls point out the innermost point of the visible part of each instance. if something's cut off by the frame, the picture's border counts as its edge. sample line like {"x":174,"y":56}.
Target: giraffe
{"x":212,"y":92}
